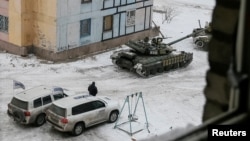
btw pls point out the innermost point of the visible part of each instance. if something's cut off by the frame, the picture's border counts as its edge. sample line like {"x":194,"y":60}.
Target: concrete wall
{"x":20,"y":22}
{"x":15,"y":22}
{"x":14,"y":49}
{"x":70,"y":13}
{"x":76,"y":52}
{"x":33,"y":23}
{"x":52,"y":27}
{"x":92,"y":48}
{"x":44,"y":25}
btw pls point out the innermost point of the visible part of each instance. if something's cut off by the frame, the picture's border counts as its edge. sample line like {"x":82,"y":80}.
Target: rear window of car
{"x":19,"y":103}
{"x":58,"y":110}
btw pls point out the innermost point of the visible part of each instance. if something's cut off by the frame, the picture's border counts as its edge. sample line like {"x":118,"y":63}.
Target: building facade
{"x":61,"y":29}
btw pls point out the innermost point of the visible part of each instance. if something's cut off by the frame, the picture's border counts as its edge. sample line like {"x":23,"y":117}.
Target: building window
{"x":108,"y":23}
{"x":4,"y":22}
{"x":85,"y":1}
{"x":85,"y":27}
{"x":130,"y":18}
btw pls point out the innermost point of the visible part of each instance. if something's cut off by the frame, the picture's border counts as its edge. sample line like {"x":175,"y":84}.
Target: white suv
{"x":30,"y":105}
{"x":73,"y":114}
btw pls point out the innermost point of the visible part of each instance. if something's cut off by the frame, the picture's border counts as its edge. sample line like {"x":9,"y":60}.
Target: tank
{"x":202,"y":36}
{"x":147,"y":58}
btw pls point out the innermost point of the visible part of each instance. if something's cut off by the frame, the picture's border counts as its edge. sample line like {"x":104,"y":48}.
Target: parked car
{"x":30,"y":105}
{"x":74,"y":114}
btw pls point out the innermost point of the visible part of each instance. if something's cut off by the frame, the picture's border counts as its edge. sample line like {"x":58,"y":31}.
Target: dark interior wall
{"x":220,"y":52}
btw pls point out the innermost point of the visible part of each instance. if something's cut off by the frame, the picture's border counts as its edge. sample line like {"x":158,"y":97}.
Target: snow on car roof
{"x":35,"y":92}
{"x":74,"y":100}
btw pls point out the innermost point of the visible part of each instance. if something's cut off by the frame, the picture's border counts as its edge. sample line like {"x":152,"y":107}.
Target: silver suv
{"x":29,"y":106}
{"x":74,"y":114}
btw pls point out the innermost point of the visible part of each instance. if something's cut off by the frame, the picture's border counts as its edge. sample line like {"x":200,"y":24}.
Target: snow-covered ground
{"x":173,"y":100}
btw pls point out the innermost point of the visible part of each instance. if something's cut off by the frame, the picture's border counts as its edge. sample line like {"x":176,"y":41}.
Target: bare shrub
{"x":168,"y":14}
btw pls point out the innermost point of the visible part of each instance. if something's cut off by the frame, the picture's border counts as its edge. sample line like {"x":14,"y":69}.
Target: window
{"x":58,"y":96}
{"x":82,"y":108}
{"x":98,"y":104}
{"x":85,"y":27}
{"x":37,"y":103}
{"x":58,"y":110}
{"x":4,"y":23}
{"x":46,"y":100}
{"x":19,"y":103}
{"x":108,"y":23}
{"x":130,"y":18}
{"x":85,"y":1}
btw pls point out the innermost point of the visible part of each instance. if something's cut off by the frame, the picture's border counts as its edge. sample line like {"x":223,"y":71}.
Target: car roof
{"x":77,"y":99}
{"x":35,"y":92}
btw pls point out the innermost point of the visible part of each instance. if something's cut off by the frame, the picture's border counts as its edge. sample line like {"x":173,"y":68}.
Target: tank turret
{"x":156,"y":47}
{"x":149,"y":57}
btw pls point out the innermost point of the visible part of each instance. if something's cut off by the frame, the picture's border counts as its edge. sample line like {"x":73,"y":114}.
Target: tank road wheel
{"x":160,"y":70}
{"x":181,"y":64}
{"x":145,"y":73}
{"x":153,"y":71}
{"x":200,"y":44}
{"x":175,"y":66}
{"x":167,"y":68}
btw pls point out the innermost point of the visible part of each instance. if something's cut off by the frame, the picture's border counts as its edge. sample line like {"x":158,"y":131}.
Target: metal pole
{"x":120,"y":112}
{"x":199,"y":23}
{"x":129,"y":118}
{"x":136,"y":104}
{"x":144,"y":111}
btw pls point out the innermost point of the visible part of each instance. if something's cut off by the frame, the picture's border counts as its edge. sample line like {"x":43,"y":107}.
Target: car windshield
{"x":58,"y":110}
{"x":19,"y":103}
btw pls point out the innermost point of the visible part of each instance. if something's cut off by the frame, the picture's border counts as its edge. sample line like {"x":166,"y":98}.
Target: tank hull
{"x":146,"y":65}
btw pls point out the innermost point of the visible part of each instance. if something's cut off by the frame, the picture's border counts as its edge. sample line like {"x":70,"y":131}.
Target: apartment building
{"x":62,"y":29}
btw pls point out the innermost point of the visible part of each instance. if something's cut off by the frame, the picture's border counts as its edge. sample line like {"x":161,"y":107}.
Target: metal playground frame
{"x":132,"y":113}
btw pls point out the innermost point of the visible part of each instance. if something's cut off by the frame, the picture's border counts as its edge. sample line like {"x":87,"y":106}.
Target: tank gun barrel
{"x":185,"y":37}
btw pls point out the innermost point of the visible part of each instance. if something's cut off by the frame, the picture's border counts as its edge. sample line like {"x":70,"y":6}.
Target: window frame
{"x":4,"y":24}
{"x":82,"y":108}
{"x":104,"y":23}
{"x":84,"y":33}
{"x":96,"y":104}
{"x":37,"y":100}
{"x":85,"y":1}
{"x":58,"y":96}
{"x":239,"y":80}
{"x":130,"y":20}
{"x":48,"y":101}
{"x":20,"y":103}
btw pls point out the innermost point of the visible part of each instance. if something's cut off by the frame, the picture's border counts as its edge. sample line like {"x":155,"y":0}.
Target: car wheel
{"x":40,"y":120}
{"x":200,"y":44}
{"x":78,"y":129}
{"x":18,"y":115}
{"x":113,"y":116}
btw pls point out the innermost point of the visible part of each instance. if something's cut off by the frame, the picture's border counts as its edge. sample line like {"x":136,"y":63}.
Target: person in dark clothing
{"x":92,"y":89}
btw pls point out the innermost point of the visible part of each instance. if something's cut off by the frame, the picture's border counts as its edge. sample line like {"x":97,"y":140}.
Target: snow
{"x":173,"y":101}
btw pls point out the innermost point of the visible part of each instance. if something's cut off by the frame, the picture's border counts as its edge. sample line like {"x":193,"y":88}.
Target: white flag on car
{"x":17,"y":84}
